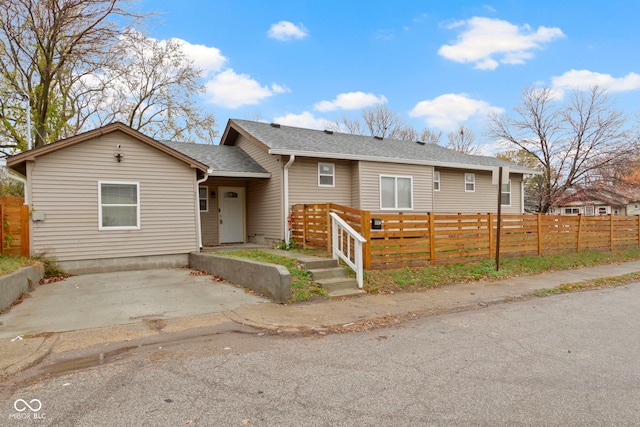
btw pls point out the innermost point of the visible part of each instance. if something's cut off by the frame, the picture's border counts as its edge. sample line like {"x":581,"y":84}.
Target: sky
{"x":438,"y":64}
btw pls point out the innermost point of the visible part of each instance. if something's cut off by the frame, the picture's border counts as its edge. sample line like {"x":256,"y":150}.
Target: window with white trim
{"x":505,"y":194}
{"x":326,"y":175}
{"x":203,"y":198}
{"x":118,"y":205}
{"x":571,"y":211}
{"x":603,"y":210}
{"x":470,"y":182}
{"x":396,"y":192}
{"x":436,"y":180}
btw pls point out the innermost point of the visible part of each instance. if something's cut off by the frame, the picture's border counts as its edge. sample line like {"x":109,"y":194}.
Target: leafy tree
{"x":46,"y":47}
{"x":570,"y":140}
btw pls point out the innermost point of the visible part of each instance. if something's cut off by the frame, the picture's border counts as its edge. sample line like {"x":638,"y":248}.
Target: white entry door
{"x":231,"y":214}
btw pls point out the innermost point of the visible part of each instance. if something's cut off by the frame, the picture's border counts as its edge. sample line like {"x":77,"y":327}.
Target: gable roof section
{"x":223,"y":160}
{"x":287,"y":140}
{"x":17,"y":162}
{"x":598,"y":193}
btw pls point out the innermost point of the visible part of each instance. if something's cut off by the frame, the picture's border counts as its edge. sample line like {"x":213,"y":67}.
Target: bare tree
{"x":430,"y":137}
{"x":153,"y":90}
{"x":46,"y":46}
{"x":463,"y":140}
{"x":569,"y":140}
{"x":346,"y":125}
{"x":383,"y":122}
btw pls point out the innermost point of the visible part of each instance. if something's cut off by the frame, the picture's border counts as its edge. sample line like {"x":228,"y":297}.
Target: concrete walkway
{"x":342,"y":314}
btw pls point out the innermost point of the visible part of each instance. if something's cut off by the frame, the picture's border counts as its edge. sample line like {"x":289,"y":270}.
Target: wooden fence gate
{"x":14,"y":232}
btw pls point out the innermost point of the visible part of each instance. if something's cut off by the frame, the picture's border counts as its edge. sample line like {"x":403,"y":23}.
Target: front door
{"x":231,"y":214}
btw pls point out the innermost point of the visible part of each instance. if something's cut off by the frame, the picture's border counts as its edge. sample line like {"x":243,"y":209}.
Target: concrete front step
{"x":337,"y":283}
{"x":318,"y":263}
{"x":327,"y":273}
{"x":347,"y":292}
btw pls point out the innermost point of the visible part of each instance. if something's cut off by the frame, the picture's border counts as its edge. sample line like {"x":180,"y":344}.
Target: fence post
{"x":365,"y":229}
{"x":492,"y":248}
{"x":639,"y":231}
{"x":2,"y":229}
{"x":432,"y":237}
{"x":329,"y":229}
{"x":611,"y":247}
{"x":579,"y":233}
{"x":539,"y":234}
{"x":25,"y":249}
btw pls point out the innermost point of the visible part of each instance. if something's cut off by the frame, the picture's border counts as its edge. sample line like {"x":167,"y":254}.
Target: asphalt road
{"x":565,"y":360}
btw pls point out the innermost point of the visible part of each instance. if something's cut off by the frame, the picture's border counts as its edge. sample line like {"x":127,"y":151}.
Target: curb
{"x":32,"y":359}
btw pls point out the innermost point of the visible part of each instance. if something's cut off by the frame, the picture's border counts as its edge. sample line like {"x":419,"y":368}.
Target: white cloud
{"x":448,"y":111}
{"x":350,"y":101}
{"x":276,"y":88}
{"x":285,"y":30}
{"x":488,"y":42}
{"x":584,"y":79}
{"x":303,"y":120}
{"x":208,"y":59}
{"x":231,"y":90}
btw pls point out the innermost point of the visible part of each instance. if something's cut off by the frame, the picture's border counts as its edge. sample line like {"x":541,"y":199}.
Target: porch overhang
{"x":238,"y":174}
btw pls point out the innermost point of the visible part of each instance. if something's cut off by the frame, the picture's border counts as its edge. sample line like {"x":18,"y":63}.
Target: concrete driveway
{"x":106,"y":299}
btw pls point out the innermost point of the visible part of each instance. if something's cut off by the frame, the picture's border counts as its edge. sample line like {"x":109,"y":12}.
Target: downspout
{"x":287,"y":232}
{"x":198,"y":221}
{"x":522,"y":210}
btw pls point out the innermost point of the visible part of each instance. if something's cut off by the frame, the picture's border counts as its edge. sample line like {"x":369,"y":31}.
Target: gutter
{"x":287,"y":232}
{"x":197,"y":203}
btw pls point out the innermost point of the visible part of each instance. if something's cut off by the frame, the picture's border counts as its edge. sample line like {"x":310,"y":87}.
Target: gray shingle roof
{"x":222,"y":160}
{"x":316,"y":143}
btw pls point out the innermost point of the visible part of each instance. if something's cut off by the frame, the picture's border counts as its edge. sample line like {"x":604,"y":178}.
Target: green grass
{"x":302,"y":287}
{"x":11,"y":263}
{"x":383,"y":281}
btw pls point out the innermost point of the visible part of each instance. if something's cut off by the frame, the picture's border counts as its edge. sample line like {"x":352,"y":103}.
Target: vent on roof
{"x":421,"y":142}
{"x":328,"y":132}
{"x":379,"y":138}
{"x":275,"y":125}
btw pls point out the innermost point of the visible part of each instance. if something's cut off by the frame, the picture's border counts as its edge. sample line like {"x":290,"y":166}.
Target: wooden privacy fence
{"x":14,"y":232}
{"x":419,"y":239}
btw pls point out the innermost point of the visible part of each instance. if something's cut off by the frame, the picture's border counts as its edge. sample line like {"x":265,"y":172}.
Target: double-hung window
{"x":396,"y":192}
{"x":505,"y":194}
{"x":436,"y":180}
{"x":326,"y":175}
{"x":203,"y":193}
{"x":470,"y":182}
{"x":119,"y":205}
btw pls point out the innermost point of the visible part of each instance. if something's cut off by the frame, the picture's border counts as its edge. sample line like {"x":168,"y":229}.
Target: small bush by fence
{"x":419,"y":239}
{"x":14,"y":230}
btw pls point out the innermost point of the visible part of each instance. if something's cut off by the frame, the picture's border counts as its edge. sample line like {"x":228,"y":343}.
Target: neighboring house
{"x":115,"y":198}
{"x":597,"y":200}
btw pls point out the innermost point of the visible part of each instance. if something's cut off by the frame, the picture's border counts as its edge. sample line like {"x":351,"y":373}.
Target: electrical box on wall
{"x":37,"y":216}
{"x":376,"y":224}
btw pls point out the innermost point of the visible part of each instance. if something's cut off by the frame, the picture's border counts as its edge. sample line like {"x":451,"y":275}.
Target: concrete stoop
{"x":332,"y":277}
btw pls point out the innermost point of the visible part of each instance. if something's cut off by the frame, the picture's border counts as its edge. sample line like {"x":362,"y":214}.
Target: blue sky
{"x":438,"y":64}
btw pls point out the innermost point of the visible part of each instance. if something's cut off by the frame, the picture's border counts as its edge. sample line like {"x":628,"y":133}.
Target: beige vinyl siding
{"x":355,"y":185}
{"x":370,"y":184}
{"x":264,"y":196}
{"x":452,"y":197}
{"x":209,"y":220}
{"x":303,"y":182}
{"x":65,"y":188}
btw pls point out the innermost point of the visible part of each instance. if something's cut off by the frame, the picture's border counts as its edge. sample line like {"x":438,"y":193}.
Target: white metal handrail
{"x":339,"y":229}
